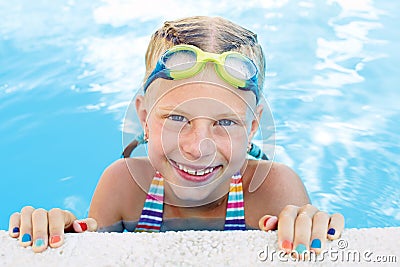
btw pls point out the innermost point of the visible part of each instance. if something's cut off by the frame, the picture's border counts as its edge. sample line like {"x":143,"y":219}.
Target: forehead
{"x":203,"y":99}
{"x":206,"y":89}
{"x":197,"y":100}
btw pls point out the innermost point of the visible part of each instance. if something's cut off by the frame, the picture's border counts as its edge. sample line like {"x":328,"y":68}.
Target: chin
{"x":191,"y":193}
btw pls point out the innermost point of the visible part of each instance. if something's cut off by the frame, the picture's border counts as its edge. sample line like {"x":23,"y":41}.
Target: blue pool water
{"x":68,"y":70}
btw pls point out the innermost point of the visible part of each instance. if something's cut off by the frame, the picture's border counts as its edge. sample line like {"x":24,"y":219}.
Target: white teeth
{"x":208,"y":170}
{"x":194,"y":172}
{"x":200,"y":172}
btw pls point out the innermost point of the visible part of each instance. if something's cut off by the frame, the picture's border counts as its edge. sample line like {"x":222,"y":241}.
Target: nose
{"x":196,"y":141}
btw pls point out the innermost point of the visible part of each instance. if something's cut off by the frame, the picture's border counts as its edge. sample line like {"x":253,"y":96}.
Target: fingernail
{"x":331,"y":231}
{"x":39,"y":242}
{"x":83,"y":226}
{"x":55,"y":239}
{"x":269,"y":222}
{"x":301,"y":248}
{"x":16,"y":230}
{"x":26,"y":238}
{"x":287,"y":245}
{"x":316,"y":243}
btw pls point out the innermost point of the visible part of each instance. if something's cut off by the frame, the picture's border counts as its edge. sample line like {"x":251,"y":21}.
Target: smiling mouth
{"x":194,"y":174}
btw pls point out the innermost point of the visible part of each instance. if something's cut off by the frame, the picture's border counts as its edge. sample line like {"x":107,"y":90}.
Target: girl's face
{"x":198,"y":134}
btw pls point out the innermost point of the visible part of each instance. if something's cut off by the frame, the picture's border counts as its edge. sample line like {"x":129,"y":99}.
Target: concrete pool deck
{"x":378,"y":246}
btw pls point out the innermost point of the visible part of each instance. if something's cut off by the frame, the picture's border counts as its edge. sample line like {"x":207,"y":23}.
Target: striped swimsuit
{"x":152,"y":213}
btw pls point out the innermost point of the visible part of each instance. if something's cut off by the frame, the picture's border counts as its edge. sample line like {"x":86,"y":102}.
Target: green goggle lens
{"x":185,"y":61}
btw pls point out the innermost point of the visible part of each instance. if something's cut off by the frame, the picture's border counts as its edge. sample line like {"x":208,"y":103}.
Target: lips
{"x":195,"y":173}
{"x":198,"y":172}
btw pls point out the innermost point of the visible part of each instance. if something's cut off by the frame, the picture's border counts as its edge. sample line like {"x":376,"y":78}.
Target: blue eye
{"x":177,"y":118}
{"x":225,"y":122}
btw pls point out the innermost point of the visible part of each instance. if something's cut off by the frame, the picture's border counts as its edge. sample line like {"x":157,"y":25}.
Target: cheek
{"x":161,"y":139}
{"x":233,"y":143}
{"x":154,"y":144}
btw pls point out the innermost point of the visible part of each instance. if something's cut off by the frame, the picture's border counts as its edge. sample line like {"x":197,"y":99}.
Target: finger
{"x":56,"y":227}
{"x":25,"y":237}
{"x":336,"y":226}
{"x":302,"y":231}
{"x":14,"y":223}
{"x":319,"y":230}
{"x":69,"y":219}
{"x":286,"y":227}
{"x":40,"y":230}
{"x":88,"y":224}
{"x":268,"y":222}
{"x":308,"y":209}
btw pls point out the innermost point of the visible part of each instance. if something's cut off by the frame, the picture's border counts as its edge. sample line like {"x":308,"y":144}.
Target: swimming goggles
{"x":185,"y":61}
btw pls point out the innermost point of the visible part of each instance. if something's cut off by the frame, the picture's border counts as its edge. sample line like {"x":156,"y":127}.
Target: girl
{"x":199,"y":111}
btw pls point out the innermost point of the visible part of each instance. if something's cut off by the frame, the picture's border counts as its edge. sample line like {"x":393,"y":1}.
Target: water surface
{"x":68,"y":70}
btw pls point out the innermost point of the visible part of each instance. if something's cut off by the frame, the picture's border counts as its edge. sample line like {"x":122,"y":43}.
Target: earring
{"x":145,"y":137}
{"x":249,"y":147}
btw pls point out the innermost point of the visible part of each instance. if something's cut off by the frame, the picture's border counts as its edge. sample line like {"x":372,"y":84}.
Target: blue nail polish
{"x":26,"y":238}
{"x":301,"y":248}
{"x":331,"y":231}
{"x":316,"y":243}
{"x":16,"y":230}
{"x":39,"y":242}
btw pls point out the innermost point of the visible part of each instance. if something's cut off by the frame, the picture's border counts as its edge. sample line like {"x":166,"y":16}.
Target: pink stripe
{"x":234,"y":205}
{"x":237,"y":181}
{"x":154,"y":197}
{"x":145,"y":226}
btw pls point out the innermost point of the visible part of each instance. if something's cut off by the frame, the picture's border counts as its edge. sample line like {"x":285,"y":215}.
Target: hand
{"x":41,"y":228}
{"x":303,"y":228}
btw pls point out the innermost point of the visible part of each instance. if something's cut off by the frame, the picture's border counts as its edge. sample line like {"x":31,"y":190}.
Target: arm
{"x":106,"y":202}
{"x":273,"y":186}
{"x":282,"y":187}
{"x":41,"y":228}
{"x":120,"y":196}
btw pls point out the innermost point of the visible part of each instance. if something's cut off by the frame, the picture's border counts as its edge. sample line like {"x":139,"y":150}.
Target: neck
{"x":175,"y":207}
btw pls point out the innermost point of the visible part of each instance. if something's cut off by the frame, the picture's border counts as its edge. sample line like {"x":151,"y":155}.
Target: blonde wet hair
{"x":211,"y":34}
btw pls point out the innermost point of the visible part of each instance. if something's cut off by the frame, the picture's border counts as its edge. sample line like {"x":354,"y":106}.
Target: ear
{"x":255,"y":122}
{"x":141,"y":110}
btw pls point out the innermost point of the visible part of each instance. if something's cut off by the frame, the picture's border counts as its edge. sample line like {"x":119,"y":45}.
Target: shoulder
{"x":128,"y":169}
{"x":121,"y":191}
{"x":271,"y":186}
{"x":129,"y":173}
{"x":260,"y":173}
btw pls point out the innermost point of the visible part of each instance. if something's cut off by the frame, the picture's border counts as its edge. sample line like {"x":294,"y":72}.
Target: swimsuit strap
{"x":152,"y":213}
{"x":235,"y":208}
